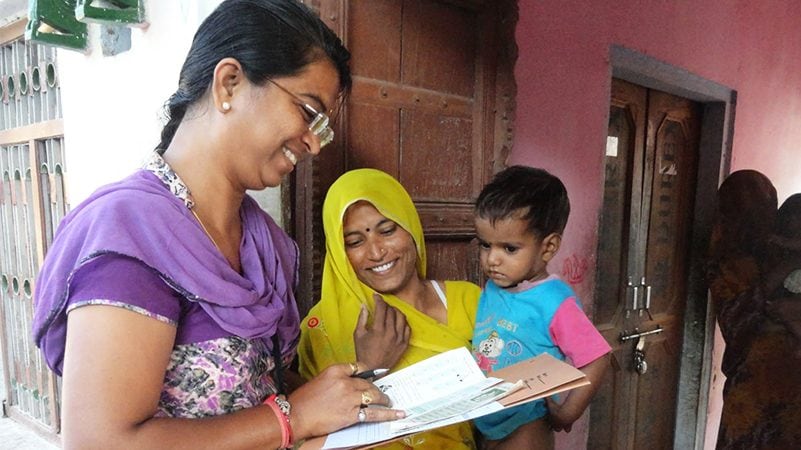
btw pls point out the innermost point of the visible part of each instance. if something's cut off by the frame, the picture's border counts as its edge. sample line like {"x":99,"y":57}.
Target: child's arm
{"x":562,"y":416}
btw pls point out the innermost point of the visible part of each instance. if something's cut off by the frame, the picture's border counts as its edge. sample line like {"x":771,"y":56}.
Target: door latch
{"x":627,"y":336}
{"x":635,"y":298}
{"x":640,"y":364}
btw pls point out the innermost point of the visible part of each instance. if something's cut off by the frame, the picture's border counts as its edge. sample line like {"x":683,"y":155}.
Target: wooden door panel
{"x":449,"y":240}
{"x":609,"y":427}
{"x":374,"y":39}
{"x":437,"y":157}
{"x":371,"y":127}
{"x":615,"y":224}
{"x":618,"y":231}
{"x":432,"y":95}
{"x":656,"y":394}
{"x":446,"y":35}
{"x":669,"y":183}
{"x":612,"y":267}
{"x":644,"y":231}
{"x":395,"y":94}
{"x":673,"y":183}
{"x":432,"y":86}
{"x":448,"y":260}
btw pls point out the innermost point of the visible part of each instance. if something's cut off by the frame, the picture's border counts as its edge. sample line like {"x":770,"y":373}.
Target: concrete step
{"x":15,"y":436}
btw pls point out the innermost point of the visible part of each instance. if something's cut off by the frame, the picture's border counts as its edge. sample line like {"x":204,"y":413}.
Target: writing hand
{"x":383,"y":343}
{"x":341,"y":395}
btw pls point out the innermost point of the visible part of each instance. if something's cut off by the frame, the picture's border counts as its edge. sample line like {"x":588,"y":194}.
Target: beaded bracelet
{"x":281,"y":408}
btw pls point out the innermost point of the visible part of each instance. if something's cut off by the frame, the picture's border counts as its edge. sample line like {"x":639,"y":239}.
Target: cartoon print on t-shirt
{"x":488,"y":351}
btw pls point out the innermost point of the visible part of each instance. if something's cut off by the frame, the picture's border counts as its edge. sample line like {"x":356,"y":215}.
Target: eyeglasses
{"x":319,"y":124}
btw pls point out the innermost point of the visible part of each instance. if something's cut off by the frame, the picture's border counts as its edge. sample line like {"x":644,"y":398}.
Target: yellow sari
{"x":327,"y":332}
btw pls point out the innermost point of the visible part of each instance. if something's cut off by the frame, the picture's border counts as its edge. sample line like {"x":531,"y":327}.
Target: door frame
{"x":714,"y":161}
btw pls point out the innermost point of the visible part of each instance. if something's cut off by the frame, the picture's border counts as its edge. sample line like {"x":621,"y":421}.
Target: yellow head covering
{"x":391,"y":200}
{"x":327,"y":332}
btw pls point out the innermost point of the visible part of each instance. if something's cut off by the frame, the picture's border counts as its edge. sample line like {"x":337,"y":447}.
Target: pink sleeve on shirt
{"x":576,"y":336}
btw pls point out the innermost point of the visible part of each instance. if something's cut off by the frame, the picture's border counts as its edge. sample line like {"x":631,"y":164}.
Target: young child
{"x":523,"y":311}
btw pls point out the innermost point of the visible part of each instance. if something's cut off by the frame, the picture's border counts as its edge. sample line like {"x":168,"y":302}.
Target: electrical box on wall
{"x":63,"y":23}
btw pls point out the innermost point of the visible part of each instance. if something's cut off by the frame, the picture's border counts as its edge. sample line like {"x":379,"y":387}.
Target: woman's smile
{"x":290,"y":156}
{"x":383,"y":268}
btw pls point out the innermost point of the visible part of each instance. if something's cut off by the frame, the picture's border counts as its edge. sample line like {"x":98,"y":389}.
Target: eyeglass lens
{"x":319,"y":126}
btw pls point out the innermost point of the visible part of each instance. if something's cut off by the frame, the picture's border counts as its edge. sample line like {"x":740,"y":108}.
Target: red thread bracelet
{"x":281,"y":408}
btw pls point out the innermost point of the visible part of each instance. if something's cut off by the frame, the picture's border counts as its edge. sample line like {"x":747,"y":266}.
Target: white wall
{"x":12,"y":10}
{"x":113,"y":104}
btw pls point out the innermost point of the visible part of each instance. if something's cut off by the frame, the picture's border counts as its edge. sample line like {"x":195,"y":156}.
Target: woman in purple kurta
{"x":170,"y":295}
{"x":136,"y":245}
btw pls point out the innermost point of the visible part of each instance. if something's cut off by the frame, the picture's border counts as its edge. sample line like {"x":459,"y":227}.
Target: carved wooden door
{"x":431,"y":104}
{"x":643,"y":263}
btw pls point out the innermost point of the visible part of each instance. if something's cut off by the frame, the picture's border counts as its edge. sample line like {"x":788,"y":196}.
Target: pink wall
{"x":563,"y":82}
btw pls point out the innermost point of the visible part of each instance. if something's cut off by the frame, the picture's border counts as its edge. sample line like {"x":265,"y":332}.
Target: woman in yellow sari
{"x":374,"y":244}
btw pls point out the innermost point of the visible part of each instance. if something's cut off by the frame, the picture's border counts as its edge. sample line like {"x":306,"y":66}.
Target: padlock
{"x":640,"y":364}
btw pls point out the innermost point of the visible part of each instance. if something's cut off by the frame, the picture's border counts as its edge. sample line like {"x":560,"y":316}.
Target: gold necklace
{"x":202,"y":225}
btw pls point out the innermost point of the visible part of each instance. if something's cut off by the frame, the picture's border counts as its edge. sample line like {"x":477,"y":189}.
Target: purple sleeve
{"x":576,"y":336}
{"x":127,"y":283}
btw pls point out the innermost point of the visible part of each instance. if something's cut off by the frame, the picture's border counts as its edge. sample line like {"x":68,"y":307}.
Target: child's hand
{"x":557,"y":417}
{"x":562,"y":415}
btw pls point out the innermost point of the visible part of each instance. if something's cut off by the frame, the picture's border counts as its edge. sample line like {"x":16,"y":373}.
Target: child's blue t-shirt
{"x":515,"y":325}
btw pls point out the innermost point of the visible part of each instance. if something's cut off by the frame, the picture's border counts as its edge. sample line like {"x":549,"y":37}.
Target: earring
{"x":226,"y":106}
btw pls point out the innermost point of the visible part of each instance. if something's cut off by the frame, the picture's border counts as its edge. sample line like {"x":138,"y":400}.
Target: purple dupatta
{"x":139,"y":217}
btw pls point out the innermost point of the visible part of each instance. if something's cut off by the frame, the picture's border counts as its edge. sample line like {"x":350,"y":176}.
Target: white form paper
{"x":449,"y":388}
{"x":444,"y":389}
{"x":435,"y":377}
{"x":466,"y":399}
{"x":369,"y":433}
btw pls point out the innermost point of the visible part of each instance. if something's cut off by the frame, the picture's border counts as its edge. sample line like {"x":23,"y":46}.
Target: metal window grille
{"x":32,"y":202}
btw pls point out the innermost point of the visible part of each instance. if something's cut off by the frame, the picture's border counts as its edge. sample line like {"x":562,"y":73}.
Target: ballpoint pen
{"x":371,"y":373}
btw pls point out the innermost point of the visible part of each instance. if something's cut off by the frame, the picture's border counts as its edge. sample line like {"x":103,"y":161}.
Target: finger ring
{"x":362,"y":416}
{"x":366,"y":398}
{"x":354,"y":368}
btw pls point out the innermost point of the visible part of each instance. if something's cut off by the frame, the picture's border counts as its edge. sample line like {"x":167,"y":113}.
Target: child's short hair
{"x":540,"y":196}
